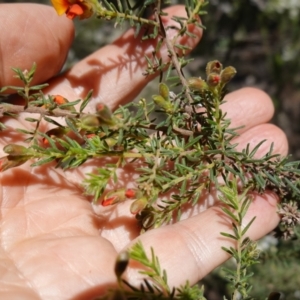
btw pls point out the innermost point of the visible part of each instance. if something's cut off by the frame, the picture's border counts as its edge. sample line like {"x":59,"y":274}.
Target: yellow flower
{"x":73,"y":8}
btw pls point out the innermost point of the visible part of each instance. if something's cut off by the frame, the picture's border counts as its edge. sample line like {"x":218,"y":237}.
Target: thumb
{"x":32,"y":33}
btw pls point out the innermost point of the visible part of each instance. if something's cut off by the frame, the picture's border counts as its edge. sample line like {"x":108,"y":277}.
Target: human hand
{"x":54,"y":243}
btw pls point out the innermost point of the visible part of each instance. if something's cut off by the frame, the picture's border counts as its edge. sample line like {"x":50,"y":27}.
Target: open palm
{"x":54,"y":243}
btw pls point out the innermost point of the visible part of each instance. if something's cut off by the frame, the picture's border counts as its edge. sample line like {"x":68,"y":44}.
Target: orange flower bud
{"x":45,"y":142}
{"x":59,"y":99}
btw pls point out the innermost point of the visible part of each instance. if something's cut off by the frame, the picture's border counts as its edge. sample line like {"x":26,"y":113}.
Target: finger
{"x":248,"y":107}
{"x":190,"y":249}
{"x":115,"y":72}
{"x":32,"y":33}
{"x":268,"y":132}
{"x":252,"y":108}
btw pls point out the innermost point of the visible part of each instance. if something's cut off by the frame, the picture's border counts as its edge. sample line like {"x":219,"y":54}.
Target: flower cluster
{"x":216,"y":76}
{"x":120,"y":195}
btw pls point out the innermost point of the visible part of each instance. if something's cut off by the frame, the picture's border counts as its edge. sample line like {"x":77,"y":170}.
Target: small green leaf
{"x":229,"y":235}
{"x":253,"y":152}
{"x":43,"y":161}
{"x":86,"y":101}
{"x":227,"y":250}
{"x":69,"y":104}
{"x":230,"y":214}
{"x":38,"y":87}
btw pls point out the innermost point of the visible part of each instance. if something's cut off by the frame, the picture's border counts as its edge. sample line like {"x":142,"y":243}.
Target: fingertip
{"x":33,"y":33}
{"x":248,"y":107}
{"x":264,"y":208}
{"x":270,"y":133}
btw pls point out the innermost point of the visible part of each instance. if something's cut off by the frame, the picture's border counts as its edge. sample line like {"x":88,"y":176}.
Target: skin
{"x":53,"y":243}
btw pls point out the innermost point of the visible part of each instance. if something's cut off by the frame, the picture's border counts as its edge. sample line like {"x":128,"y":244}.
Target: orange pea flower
{"x":73,"y":8}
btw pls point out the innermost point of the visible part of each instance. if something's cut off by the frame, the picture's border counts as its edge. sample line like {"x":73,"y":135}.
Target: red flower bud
{"x":114,"y":197}
{"x":130,"y":193}
{"x":110,"y":201}
{"x":213,"y":79}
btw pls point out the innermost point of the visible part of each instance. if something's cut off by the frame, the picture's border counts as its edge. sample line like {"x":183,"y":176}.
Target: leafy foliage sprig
{"x":179,"y":143}
{"x":155,"y":285}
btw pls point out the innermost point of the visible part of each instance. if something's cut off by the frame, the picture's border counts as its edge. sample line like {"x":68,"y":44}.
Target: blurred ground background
{"x":261,"y":39}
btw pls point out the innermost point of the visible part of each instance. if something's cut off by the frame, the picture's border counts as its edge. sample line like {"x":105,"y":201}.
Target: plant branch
{"x":6,"y":108}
